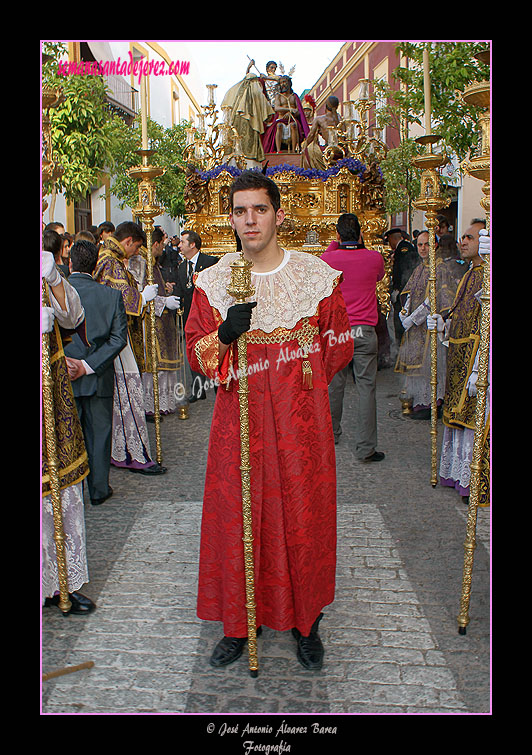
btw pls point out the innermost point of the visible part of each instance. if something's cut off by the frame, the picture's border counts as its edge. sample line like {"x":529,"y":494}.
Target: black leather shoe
{"x":194,"y":398}
{"x":81,"y":605}
{"x":155,"y":469}
{"x":375,"y":456}
{"x":420,"y":414}
{"x":229,"y":649}
{"x":310,"y":649}
{"x":98,"y":501}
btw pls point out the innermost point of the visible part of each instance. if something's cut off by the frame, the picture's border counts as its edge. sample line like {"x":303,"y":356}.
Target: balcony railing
{"x":122,"y":96}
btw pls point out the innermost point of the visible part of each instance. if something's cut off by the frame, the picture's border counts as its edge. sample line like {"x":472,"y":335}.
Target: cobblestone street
{"x":391,"y":636}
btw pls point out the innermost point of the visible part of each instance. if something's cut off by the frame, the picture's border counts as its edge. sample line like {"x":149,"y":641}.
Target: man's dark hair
{"x":252,"y":179}
{"x":480,"y":221}
{"x":348,"y":227}
{"x":193,"y":238}
{"x":83,"y":256}
{"x":106,"y":226}
{"x":53,"y":226}
{"x":157,"y":235}
{"x":51,"y":242}
{"x":129,"y":228}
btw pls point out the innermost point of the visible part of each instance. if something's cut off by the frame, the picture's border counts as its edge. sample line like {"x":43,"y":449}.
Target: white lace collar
{"x":285,"y":295}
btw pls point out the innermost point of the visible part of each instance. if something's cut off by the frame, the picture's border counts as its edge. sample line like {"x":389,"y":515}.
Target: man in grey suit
{"x":91,"y":368}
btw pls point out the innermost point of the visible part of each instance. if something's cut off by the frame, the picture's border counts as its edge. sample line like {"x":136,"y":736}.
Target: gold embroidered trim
{"x":206,"y":350}
{"x":304,"y":335}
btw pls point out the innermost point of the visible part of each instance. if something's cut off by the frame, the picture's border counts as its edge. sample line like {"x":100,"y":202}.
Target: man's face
{"x":187,"y":249}
{"x":130,"y":247}
{"x":157,"y":248}
{"x":469,"y":242}
{"x":105,"y":235}
{"x":423,"y":246}
{"x":254,"y":219}
{"x":284,"y":84}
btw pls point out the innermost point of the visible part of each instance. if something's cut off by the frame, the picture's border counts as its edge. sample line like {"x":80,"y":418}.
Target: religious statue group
{"x":269,"y":117}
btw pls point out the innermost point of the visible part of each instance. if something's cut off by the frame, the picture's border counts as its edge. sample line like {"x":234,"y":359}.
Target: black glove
{"x":237,"y":322}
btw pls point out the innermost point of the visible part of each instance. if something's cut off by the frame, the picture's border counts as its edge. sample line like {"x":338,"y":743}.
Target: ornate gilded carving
{"x":312,"y":207}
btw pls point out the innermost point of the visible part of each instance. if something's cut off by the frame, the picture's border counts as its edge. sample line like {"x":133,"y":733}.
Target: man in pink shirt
{"x":362,"y":268}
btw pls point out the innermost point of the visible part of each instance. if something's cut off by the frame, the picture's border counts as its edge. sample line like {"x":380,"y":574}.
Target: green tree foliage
{"x":80,"y":129}
{"x":452,"y":68}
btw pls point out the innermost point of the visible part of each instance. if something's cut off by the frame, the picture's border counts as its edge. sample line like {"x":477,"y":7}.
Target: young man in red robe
{"x":298,"y":338}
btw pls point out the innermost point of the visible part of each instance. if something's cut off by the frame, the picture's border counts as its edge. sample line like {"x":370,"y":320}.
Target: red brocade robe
{"x":299,"y":338}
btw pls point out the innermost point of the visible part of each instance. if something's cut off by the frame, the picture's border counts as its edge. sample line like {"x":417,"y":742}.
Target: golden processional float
{"x":313,"y":200}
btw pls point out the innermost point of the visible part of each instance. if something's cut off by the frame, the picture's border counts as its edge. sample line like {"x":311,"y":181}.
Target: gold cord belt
{"x":304,"y":336}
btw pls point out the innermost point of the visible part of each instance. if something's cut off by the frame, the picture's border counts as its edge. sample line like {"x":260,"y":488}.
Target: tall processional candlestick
{"x":147,"y":209}
{"x":431,"y":201}
{"x":478,"y":93}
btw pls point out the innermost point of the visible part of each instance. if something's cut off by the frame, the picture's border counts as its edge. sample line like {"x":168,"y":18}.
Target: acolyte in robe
{"x":459,"y":408}
{"x":299,"y":338}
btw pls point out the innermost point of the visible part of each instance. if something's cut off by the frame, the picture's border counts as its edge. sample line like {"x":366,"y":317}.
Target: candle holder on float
{"x":478,"y":166}
{"x":215,"y":143}
{"x":351,"y":137}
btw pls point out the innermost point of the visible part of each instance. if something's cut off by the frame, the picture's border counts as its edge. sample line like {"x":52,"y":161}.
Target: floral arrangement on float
{"x":354,"y":166}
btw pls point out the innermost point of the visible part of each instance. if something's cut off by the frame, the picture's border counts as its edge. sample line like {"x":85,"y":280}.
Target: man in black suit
{"x":195,"y":260}
{"x":91,"y":368}
{"x":169,"y":262}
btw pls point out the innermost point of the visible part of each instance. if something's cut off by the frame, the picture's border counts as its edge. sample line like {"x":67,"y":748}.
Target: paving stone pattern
{"x":391,"y":635}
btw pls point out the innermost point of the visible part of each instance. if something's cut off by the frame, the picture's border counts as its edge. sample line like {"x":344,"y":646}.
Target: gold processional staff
{"x":240,"y":288}
{"x":50,"y":442}
{"x":478,"y":93}
{"x":431,"y":201}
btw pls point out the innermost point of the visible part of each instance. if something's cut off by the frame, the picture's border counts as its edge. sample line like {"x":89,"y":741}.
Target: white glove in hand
{"x":172,"y":302}
{"x":435,"y":322}
{"x":47,"y":319}
{"x":49,"y":270}
{"x":472,"y":384}
{"x":484,"y":244}
{"x":149,"y":292}
{"x":405,"y":309}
